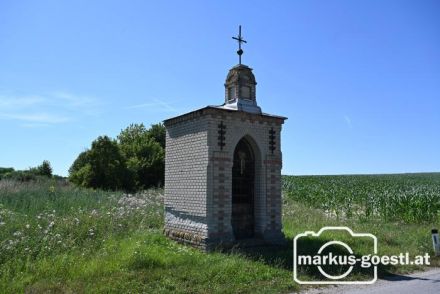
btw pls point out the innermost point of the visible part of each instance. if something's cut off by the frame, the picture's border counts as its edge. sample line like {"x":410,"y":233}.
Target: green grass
{"x":60,"y":239}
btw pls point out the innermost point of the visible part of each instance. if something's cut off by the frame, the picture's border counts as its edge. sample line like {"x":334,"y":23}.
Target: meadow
{"x":57,"y":238}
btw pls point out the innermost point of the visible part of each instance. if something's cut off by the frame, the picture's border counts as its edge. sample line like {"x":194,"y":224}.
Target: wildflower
{"x":28,"y":226}
{"x":17,"y":234}
{"x":2,"y":223}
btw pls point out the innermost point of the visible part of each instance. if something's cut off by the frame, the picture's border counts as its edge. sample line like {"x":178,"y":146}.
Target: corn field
{"x":411,"y":198}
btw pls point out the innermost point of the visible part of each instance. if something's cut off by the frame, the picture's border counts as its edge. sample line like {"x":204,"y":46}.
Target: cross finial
{"x":240,"y":40}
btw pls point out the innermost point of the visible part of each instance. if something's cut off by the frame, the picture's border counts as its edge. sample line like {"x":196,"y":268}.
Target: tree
{"x":103,"y":166}
{"x":145,"y":156}
{"x":45,"y":169}
{"x":79,"y":162}
{"x":136,"y":160}
{"x":157,"y":132}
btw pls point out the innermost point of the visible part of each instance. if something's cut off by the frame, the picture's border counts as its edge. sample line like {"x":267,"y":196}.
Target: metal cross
{"x":221,"y":135}
{"x":240,"y":40}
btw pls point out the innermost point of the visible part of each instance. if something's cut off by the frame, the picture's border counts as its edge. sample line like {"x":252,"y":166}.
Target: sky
{"x":358,"y":80}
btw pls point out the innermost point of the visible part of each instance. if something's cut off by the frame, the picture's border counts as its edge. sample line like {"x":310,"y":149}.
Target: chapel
{"x":223,"y":170}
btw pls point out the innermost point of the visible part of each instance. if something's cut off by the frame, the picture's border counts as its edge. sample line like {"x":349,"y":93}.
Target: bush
{"x":145,"y":156}
{"x":42,"y":172}
{"x":45,"y":169}
{"x":135,"y":161}
{"x":20,"y":175}
{"x":5,"y":170}
{"x":157,"y":132}
{"x":103,"y":166}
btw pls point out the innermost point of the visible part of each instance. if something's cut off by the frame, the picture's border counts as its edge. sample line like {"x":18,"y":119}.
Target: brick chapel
{"x":223,"y":170}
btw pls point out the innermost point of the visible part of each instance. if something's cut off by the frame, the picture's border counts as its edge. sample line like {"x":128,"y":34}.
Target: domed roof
{"x":240,"y":74}
{"x":240,"y":90}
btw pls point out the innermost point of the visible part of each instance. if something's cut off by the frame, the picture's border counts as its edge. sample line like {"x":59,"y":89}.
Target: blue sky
{"x":358,"y":80}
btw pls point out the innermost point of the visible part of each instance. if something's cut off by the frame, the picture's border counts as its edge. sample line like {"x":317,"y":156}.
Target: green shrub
{"x":45,"y":169}
{"x":145,"y":156}
{"x":20,"y":175}
{"x":5,"y":170}
{"x":32,"y":174}
{"x":157,"y":132}
{"x":136,"y":161}
{"x":103,"y":166}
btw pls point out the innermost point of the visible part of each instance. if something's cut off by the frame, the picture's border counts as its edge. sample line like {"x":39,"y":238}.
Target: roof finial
{"x":240,"y":40}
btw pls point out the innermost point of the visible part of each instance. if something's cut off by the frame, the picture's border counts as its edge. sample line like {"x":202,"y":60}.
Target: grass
{"x":61,"y":239}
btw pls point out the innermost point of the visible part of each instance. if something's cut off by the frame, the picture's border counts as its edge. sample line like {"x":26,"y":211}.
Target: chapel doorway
{"x":243,"y":191}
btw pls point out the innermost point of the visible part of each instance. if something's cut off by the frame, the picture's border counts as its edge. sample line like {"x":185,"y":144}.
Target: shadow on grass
{"x":282,"y":257}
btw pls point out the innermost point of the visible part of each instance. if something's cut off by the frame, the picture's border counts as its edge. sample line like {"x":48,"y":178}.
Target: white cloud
{"x":156,"y":105}
{"x":36,"y":117}
{"x":46,"y":109}
{"x":34,"y":125}
{"x":14,"y":102}
{"x":74,"y":100}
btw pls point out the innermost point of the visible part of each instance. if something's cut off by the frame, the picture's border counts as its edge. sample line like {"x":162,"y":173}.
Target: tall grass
{"x":60,"y":239}
{"x":57,"y":238}
{"x":43,"y":219}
